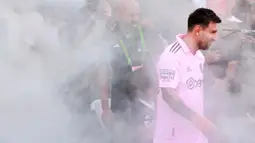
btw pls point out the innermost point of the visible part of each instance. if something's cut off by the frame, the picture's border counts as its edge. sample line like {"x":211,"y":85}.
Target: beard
{"x":202,"y":46}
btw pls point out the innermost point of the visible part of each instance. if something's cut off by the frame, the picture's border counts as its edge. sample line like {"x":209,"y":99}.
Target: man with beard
{"x":131,"y":63}
{"x":180,"y":72}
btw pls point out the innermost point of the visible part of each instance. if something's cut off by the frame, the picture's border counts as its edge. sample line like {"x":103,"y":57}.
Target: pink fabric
{"x":179,"y":68}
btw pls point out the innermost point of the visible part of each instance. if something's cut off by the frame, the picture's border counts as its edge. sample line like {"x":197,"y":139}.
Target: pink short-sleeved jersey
{"x":180,"y":69}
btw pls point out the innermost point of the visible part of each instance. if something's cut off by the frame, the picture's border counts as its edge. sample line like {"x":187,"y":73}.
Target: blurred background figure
{"x":243,"y":10}
{"x":163,"y":17}
{"x":229,"y":86}
{"x":74,"y":50}
{"x":218,"y":72}
{"x":82,"y":23}
{"x":81,"y":38}
{"x":221,"y":7}
{"x":133,"y":51}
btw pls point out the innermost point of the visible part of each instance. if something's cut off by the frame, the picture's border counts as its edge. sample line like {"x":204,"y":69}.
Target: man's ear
{"x":197,"y":29}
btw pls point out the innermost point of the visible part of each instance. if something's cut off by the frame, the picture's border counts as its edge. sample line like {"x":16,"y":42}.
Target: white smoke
{"x":34,"y":65}
{"x":32,"y":68}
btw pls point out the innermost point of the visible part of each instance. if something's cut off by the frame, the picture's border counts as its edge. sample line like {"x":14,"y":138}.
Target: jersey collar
{"x":185,"y":48}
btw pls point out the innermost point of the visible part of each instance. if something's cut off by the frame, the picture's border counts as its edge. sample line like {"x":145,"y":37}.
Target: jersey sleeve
{"x":168,"y":71}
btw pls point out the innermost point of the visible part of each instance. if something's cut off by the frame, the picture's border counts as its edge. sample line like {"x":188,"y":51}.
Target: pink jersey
{"x":180,"y":69}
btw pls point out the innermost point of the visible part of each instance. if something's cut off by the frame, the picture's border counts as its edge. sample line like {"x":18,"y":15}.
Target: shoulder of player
{"x":173,"y":51}
{"x":175,"y":48}
{"x":167,"y":57}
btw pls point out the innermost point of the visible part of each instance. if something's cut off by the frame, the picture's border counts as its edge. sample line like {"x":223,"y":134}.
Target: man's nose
{"x":215,"y":38}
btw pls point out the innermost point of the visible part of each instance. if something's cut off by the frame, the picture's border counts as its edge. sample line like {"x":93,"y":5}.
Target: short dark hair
{"x":202,"y":16}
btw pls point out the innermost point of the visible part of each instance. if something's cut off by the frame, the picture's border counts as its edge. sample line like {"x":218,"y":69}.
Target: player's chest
{"x":192,"y":73}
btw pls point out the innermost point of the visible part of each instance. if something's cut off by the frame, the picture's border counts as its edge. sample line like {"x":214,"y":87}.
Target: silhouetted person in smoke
{"x":230,"y":91}
{"x":242,"y":9}
{"x":166,"y":16}
{"x":225,"y":79}
{"x":81,"y":25}
{"x":130,"y":59}
{"x":221,"y":78}
{"x":81,"y":36}
{"x":252,"y":19}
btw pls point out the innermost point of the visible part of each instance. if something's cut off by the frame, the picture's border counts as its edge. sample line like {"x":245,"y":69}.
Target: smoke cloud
{"x":37,"y":67}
